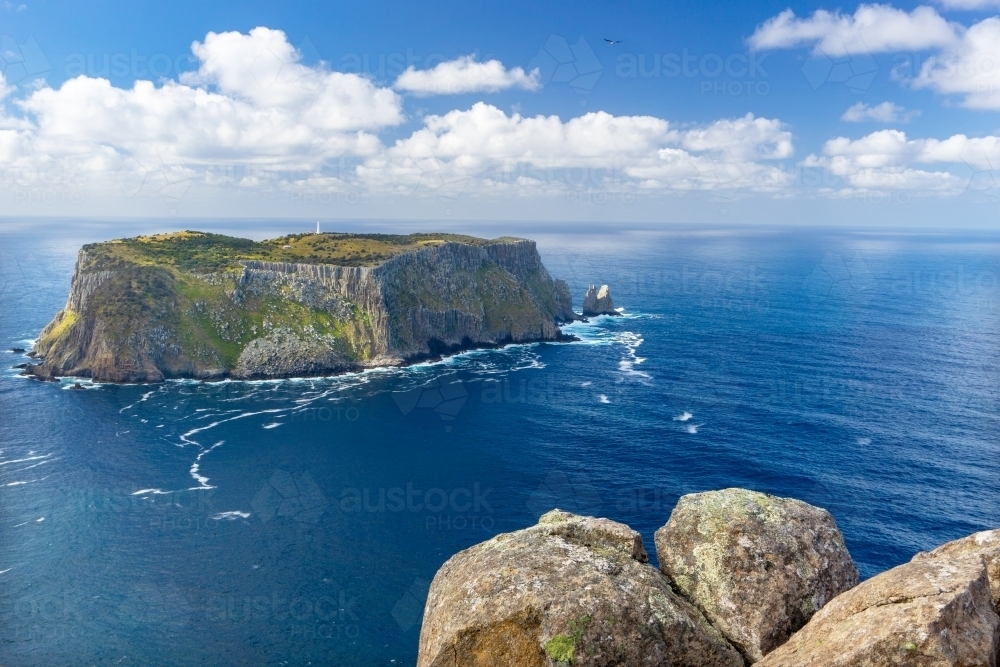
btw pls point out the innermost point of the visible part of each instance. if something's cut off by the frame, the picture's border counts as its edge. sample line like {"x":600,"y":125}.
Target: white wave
{"x":604,"y":399}
{"x":231,"y":516}
{"x":155,"y":492}
{"x":28,"y":458}
{"x":683,"y":417}
{"x":6,"y":571}
{"x":20,"y":483}
{"x":586,"y":384}
{"x":272,"y":425}
{"x":35,"y":465}
{"x":145,"y":397}
{"x":196,"y":466}
{"x":631,"y":341}
{"x":864,"y":442}
{"x":693,"y":428}
{"x":40,"y":520}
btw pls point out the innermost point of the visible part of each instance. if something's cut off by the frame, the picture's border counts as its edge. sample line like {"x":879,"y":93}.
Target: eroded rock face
{"x":986,"y":545}
{"x":285,"y":354}
{"x":928,"y":612}
{"x":570,"y":590}
{"x":756,"y":565}
{"x":598,"y":302}
{"x":143,"y":321}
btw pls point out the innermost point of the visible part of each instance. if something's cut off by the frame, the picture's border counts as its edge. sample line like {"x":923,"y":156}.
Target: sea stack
{"x":598,"y":302}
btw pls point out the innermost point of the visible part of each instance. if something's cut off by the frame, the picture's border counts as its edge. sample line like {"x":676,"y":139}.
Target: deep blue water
{"x":300,"y":522}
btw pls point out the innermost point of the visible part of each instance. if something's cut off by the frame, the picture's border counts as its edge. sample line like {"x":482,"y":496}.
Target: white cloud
{"x":970,"y":67}
{"x":871,"y":29}
{"x":263,"y":69}
{"x":888,"y":160}
{"x":484,"y":147}
{"x":465,"y":75}
{"x":251,"y":102}
{"x":886,"y":112}
{"x":966,"y":61}
{"x":969,"y":5}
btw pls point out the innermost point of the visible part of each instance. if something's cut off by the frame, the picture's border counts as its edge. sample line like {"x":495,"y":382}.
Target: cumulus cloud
{"x":485,"y":146}
{"x":888,"y":160}
{"x":251,"y":101}
{"x":886,"y":112}
{"x":871,"y":29}
{"x":970,"y":67}
{"x":465,"y":75}
{"x":965,"y":62}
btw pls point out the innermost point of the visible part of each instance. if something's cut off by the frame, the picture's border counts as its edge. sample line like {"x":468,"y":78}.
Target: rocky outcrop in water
{"x":141,"y":320}
{"x":598,"y":302}
{"x":756,"y":565}
{"x":578,"y":591}
{"x":569,"y":591}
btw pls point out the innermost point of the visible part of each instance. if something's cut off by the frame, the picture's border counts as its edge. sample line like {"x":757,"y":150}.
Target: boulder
{"x":598,"y":302}
{"x":986,"y":545}
{"x":570,"y":590}
{"x":928,"y":612}
{"x":756,"y":565}
{"x":17,"y":350}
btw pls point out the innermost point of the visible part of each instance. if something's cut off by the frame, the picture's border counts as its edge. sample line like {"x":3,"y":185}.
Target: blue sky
{"x":769,"y":112}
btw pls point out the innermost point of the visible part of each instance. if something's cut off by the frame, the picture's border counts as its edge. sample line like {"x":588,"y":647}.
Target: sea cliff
{"x":206,"y":306}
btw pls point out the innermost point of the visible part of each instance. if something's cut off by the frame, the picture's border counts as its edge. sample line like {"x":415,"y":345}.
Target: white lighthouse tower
{"x":317,"y":226}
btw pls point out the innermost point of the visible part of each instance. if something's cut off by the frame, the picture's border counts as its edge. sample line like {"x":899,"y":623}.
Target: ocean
{"x":299,"y":522}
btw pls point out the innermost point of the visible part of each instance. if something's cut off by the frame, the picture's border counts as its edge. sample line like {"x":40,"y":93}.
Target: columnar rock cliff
{"x":199,"y":305}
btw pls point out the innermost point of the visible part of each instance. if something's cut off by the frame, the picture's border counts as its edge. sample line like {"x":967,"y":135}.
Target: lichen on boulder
{"x":930,"y":612}
{"x":569,"y":590}
{"x":756,"y":565}
{"x":985,"y":545}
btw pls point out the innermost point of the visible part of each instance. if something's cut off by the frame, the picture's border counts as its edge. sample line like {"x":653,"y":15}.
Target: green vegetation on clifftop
{"x":188,"y":304}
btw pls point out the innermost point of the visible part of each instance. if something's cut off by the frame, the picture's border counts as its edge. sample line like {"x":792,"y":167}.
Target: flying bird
{"x":612,"y":42}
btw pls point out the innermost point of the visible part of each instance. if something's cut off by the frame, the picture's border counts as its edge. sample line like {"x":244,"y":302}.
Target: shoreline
{"x":432,"y":358}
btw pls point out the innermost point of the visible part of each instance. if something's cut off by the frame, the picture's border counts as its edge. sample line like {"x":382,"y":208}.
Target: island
{"x":198,"y":305}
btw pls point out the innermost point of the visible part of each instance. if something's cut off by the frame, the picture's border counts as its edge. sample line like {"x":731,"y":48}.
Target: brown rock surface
{"x":756,"y":565}
{"x":927,"y":613}
{"x":570,"y":590}
{"x":986,"y":545}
